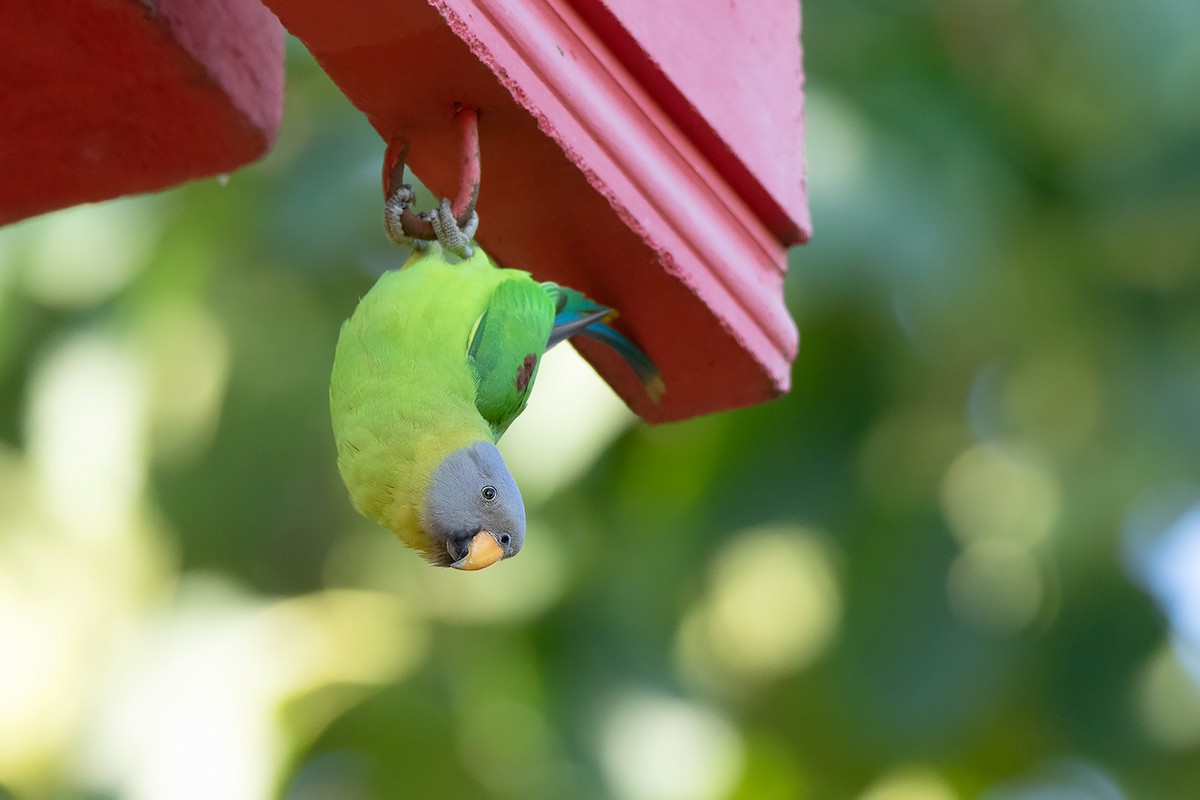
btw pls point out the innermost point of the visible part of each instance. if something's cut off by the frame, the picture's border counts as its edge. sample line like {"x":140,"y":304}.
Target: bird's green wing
{"x":506,"y":347}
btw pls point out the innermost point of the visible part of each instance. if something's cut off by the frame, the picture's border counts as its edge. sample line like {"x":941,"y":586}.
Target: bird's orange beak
{"x":483,"y":551}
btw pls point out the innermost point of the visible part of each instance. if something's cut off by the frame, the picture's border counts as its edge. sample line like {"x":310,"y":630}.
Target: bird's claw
{"x":447,"y":233}
{"x":452,"y":238}
{"x":393,"y":210}
{"x":453,"y":231}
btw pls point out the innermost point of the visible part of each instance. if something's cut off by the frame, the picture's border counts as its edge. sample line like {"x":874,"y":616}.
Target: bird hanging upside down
{"x":434,"y":365}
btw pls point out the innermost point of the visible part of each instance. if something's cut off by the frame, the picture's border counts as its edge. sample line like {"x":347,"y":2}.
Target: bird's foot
{"x":453,"y":238}
{"x":395,"y":206}
{"x":438,"y":225}
{"x":451,"y":224}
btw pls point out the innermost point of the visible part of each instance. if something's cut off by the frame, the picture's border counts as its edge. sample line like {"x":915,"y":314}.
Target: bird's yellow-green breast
{"x":402,"y":394}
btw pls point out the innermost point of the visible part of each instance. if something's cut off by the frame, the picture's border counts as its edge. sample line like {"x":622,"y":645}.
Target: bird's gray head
{"x":473,"y":509}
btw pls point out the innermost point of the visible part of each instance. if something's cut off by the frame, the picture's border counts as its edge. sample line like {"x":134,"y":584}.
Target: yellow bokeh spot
{"x":996,"y":584}
{"x":663,"y":748}
{"x":772,"y":607}
{"x":188,"y":356}
{"x":87,"y":436}
{"x":1168,"y":701}
{"x":911,"y":783}
{"x":207,"y":681}
{"x":80,"y":256}
{"x":39,"y":682}
{"x":997,"y":491}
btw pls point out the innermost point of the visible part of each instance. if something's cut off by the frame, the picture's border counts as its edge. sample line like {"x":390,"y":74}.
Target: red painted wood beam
{"x":605,"y":165}
{"x":100,"y":98}
{"x":729,"y":75}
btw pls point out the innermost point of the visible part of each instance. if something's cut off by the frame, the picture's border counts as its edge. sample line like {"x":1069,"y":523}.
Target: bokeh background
{"x":961,"y":559}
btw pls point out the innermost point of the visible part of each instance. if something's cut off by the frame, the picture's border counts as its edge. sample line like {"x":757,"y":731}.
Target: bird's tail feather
{"x":579,"y":315}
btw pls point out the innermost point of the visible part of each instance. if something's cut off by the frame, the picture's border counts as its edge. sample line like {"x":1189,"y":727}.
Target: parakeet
{"x":430,"y":370}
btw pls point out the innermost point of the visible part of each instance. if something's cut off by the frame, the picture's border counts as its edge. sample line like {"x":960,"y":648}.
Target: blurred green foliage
{"x":913,"y":577}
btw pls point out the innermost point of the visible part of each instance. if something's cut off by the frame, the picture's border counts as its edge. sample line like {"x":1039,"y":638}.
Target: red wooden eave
{"x":610,"y":163}
{"x":100,"y":98}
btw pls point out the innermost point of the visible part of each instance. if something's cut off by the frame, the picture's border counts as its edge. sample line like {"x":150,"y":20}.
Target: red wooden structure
{"x":100,"y":98}
{"x":648,"y":154}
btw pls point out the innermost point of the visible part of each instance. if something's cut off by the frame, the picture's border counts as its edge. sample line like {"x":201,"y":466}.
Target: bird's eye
{"x":505,"y":539}
{"x":489,"y":493}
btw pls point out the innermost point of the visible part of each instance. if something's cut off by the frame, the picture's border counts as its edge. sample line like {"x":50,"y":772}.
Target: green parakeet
{"x":430,"y":370}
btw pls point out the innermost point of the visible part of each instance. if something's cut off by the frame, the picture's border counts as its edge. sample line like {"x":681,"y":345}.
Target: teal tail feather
{"x":578,"y":315}
{"x":633,"y":355}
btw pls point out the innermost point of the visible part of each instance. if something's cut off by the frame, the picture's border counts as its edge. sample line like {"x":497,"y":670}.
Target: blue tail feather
{"x":633,"y":355}
{"x":578,"y":315}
